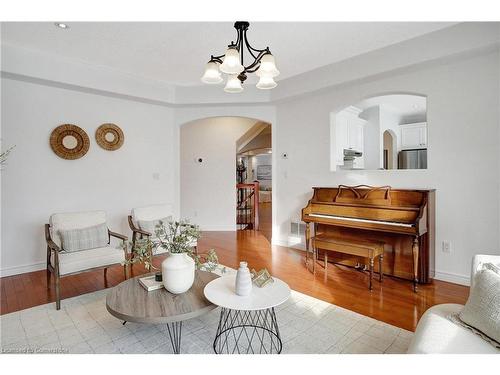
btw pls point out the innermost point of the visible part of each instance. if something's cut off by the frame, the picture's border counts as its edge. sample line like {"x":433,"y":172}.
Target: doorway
{"x":389,"y":142}
{"x":254,"y":179}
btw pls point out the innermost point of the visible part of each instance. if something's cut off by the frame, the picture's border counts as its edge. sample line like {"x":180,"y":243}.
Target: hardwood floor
{"x":393,"y":301}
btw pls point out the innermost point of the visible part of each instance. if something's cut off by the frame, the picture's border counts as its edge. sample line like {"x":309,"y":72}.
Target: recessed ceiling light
{"x":61,"y":25}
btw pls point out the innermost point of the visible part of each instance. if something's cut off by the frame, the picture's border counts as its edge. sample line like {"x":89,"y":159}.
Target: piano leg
{"x":415,"y":250}
{"x":308,"y":238}
{"x":314,"y":258}
{"x":380,"y":267}
{"x":371,"y":272}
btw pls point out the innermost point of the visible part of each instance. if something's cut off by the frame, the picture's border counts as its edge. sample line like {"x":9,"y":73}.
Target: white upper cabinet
{"x":349,"y":134}
{"x":413,"y":135}
{"x":341,"y":137}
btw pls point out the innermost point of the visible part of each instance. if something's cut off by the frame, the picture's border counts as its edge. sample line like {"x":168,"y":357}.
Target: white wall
{"x":36,"y":182}
{"x":208,"y":192}
{"x":462,"y":113}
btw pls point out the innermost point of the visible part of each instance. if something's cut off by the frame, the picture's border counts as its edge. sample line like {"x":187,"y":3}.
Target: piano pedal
{"x":361,"y":267}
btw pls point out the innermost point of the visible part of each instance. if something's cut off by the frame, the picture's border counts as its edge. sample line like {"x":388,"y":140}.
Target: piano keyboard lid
{"x":344,"y":218}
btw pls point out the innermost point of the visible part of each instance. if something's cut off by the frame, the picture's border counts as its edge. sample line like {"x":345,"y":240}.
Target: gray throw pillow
{"x":84,"y":238}
{"x":482,"y":310}
{"x":150,"y":225}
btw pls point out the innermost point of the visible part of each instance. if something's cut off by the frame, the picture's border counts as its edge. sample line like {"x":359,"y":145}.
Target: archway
{"x":208,"y":173}
{"x":390,"y":149}
{"x":378,"y":131}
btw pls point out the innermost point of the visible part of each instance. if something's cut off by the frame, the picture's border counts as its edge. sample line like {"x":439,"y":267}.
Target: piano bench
{"x":365,"y":249}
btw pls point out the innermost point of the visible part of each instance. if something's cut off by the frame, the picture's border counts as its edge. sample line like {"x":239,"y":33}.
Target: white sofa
{"x":150,"y":213}
{"x":61,"y":263}
{"x":435,"y":333}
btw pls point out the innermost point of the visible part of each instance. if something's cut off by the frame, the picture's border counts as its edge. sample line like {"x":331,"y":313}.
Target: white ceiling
{"x":401,"y":105}
{"x":176,"y":52}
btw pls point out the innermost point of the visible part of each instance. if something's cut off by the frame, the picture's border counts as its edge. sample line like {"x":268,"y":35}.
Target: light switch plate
{"x":446,"y":247}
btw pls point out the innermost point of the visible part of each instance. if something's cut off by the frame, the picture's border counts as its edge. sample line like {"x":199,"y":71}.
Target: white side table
{"x":247,"y":324}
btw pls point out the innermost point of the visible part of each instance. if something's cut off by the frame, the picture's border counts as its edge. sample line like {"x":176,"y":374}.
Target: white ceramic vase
{"x":243,"y":285}
{"x":178,"y":272}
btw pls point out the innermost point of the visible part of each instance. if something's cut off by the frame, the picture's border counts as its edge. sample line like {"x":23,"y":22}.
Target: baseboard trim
{"x":16,"y":270}
{"x":452,"y":278}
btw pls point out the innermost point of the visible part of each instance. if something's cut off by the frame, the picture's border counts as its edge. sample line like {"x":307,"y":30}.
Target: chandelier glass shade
{"x":266,"y":83}
{"x":212,"y":73}
{"x":231,"y":63}
{"x":262,"y":63}
{"x":233,"y":84}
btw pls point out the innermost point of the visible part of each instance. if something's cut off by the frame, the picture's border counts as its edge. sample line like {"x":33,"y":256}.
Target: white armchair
{"x":61,"y":262}
{"x":143,"y":220}
{"x":435,"y":333}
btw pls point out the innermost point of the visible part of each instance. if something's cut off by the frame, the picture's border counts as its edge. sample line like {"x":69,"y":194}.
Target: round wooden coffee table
{"x":130,"y":302}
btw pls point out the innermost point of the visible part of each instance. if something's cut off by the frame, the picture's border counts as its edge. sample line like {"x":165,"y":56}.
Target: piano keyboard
{"x":363,"y":220}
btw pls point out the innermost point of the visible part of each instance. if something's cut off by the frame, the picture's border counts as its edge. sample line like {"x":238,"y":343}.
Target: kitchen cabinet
{"x":413,"y":135}
{"x":349,"y":133}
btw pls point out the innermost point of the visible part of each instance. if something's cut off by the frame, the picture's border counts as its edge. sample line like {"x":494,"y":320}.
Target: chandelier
{"x":232,"y":64}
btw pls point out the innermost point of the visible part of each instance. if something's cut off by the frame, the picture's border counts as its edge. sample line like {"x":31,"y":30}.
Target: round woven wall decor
{"x":69,"y":141}
{"x":109,"y":137}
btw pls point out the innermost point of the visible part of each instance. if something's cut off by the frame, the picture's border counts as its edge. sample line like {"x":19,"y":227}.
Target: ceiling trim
{"x":446,"y":45}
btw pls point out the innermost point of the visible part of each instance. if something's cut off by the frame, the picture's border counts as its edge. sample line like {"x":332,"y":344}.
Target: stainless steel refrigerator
{"x":412,"y":159}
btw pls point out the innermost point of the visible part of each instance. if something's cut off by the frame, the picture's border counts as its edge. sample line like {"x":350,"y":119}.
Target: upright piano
{"x":401,"y":218}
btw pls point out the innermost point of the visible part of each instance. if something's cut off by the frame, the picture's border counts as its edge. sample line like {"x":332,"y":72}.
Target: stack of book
{"x":149,"y":283}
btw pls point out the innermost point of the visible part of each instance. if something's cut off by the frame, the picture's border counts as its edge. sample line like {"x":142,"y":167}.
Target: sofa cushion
{"x":84,"y":238}
{"x":479,"y":260}
{"x":84,"y":260}
{"x":150,"y":225}
{"x":482,"y":310}
{"x":74,"y":220}
{"x":437,"y":334}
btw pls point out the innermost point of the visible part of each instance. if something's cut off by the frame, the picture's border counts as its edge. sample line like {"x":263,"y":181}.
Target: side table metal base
{"x":175,"y":334}
{"x":247,"y":332}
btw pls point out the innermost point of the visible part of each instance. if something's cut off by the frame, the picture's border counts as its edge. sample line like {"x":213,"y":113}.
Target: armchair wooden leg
{"x":57,"y":281}
{"x":47,"y":271}
{"x":58,"y":295}
{"x":105,"y":272}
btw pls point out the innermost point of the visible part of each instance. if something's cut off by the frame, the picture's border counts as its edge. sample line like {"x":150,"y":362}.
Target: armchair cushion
{"x":74,"y":220}
{"x":150,"y":225}
{"x":84,"y":238}
{"x":153,"y":212}
{"x":93,"y":258}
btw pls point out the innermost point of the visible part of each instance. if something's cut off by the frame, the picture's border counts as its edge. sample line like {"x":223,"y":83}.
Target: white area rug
{"x":83,"y":325}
